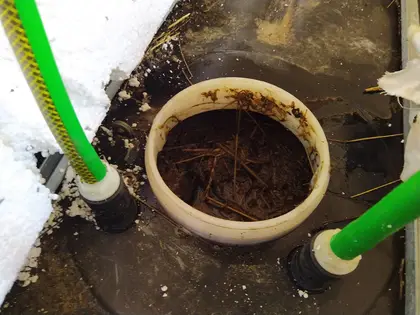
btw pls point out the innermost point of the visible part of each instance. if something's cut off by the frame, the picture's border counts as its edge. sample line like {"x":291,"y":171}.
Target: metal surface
{"x":410,"y":15}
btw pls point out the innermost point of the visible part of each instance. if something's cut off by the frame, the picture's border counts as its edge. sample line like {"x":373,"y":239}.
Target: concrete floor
{"x":323,"y":52}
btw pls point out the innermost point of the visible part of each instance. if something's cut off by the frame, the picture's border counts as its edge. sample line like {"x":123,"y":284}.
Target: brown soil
{"x":272,"y":170}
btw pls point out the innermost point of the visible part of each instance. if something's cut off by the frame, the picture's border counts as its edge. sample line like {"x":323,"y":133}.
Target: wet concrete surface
{"x":323,"y":52}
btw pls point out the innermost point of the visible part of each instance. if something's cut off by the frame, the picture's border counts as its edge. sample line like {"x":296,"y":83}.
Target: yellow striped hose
{"x":24,"y":29}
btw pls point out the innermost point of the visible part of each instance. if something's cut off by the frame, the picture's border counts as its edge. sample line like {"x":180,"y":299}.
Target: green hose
{"x":389,"y":215}
{"x":25,"y":31}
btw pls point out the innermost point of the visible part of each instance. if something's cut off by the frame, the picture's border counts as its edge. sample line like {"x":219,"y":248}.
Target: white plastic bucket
{"x":224,"y":93}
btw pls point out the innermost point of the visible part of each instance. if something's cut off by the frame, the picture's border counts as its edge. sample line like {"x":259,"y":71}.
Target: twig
{"x":367,"y":138}
{"x":401,"y":105}
{"x":238,"y":124}
{"x":256,"y":122}
{"x":254,"y":161}
{"x":169,"y":34}
{"x":51,"y":228}
{"x":182,"y":18}
{"x":186,"y":77}
{"x":250,"y":171}
{"x":389,"y":5}
{"x":225,"y":206}
{"x":265,"y":201}
{"x":227,"y":168}
{"x":164,"y":40}
{"x":185,"y":62}
{"x":179,"y":147}
{"x":373,"y":90}
{"x":163,"y":215}
{"x":155,"y":210}
{"x":206,"y":193}
{"x":202,"y":150}
{"x":193,"y":158}
{"x":211,"y":6}
{"x":253,"y":132}
{"x":401,"y":276}
{"x":375,"y":188}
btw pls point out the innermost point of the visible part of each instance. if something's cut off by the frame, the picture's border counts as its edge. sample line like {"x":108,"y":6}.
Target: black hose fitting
{"x":117,"y":213}
{"x":306,"y":272}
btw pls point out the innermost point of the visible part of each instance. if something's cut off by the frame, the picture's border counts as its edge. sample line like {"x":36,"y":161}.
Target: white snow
{"x":405,"y":83}
{"x":24,"y":207}
{"x":93,"y":41}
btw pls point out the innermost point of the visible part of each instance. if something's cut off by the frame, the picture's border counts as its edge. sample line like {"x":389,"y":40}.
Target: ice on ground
{"x":93,"y":42}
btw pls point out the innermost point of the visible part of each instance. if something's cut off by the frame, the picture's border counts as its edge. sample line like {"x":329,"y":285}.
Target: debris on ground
{"x":303,"y":294}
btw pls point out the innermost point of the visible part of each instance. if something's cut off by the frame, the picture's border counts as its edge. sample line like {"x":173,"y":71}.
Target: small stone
{"x":75,"y":233}
{"x":390,"y":125}
{"x":164,"y":295}
{"x":164,"y":288}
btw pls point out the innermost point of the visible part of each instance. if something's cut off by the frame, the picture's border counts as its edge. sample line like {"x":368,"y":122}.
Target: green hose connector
{"x":26,"y":34}
{"x":390,"y":214}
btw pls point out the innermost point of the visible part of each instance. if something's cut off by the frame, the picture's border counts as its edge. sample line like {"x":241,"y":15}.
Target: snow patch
{"x":24,"y":207}
{"x":106,"y":40}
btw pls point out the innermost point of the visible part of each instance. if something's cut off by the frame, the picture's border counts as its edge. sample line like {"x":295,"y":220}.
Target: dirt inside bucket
{"x":236,"y":165}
